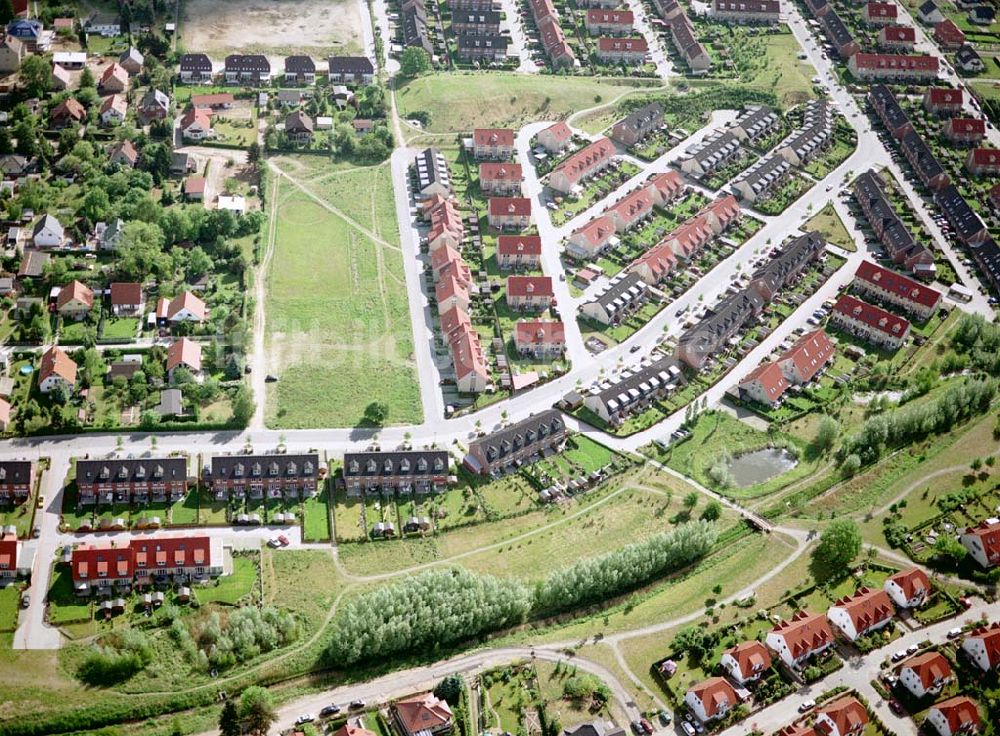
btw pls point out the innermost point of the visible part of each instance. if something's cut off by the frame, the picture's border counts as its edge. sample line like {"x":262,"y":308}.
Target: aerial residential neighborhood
{"x":523,"y":367}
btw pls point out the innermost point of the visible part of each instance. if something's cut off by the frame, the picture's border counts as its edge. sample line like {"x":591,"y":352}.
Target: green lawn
{"x":120,"y":327}
{"x":316,"y":525}
{"x":828,"y":223}
{"x":338,"y":323}
{"x":229,"y":589}
{"x":10,"y":598}
{"x":185,"y":511}
{"x":19,"y":515}
{"x":64,"y":605}
{"x":461,"y":102}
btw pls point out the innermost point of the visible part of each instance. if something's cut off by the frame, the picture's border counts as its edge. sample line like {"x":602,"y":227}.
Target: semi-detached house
{"x":520,"y":443}
{"x":580,"y":166}
{"x":982,"y":646}
{"x":601,"y":22}
{"x":983,"y":543}
{"x":17,"y":478}
{"x":926,"y":674}
{"x":860,"y":614}
{"x":746,"y":662}
{"x":747,"y":11}
{"x":632,"y":392}
{"x":131,"y":480}
{"x":247,"y":69}
{"x":843,"y":717}
{"x":801,"y":637}
{"x":908,"y":588}
{"x":260,"y":476}
{"x":711,"y":699}
{"x":623,"y":296}
{"x":517,"y":252}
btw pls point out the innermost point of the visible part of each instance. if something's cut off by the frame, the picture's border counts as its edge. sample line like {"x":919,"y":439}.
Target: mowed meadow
{"x":338,"y":325}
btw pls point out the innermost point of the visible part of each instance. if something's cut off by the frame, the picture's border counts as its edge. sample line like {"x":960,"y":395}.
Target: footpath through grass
{"x":338,"y":323}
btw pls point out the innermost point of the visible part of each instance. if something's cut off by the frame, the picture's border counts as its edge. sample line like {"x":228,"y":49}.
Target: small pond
{"x":759,"y":466}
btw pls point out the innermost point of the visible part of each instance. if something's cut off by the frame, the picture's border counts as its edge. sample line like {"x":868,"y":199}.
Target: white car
{"x":807,"y":705}
{"x":305,"y":718}
{"x":688,"y":728}
{"x":274,"y":543}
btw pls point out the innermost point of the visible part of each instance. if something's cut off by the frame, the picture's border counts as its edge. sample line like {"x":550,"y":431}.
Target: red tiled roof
{"x":847,"y":714}
{"x":349,"y":729}
{"x":636,"y":202}
{"x":539,"y":332}
{"x":114,"y":71}
{"x":804,"y":632}
{"x":751,"y":656}
{"x":867,"y":608}
{"x":493,"y":137}
{"x":900,"y":34}
{"x":510,"y":206}
{"x":115,"y":102}
{"x":530,"y":245}
{"x":599,"y":16}
{"x":725,"y":209}
{"x":560,"y":131}
{"x":995,"y":192}
{"x":583,"y":161}
{"x":715,"y":693}
{"x":186,"y":300}
{"x":443,"y":256}
{"x":467,"y":356}
{"x":525,"y":286}
{"x":958,"y":712}
{"x":967,"y":126}
{"x":450,"y":286}
{"x":880,"y":10}
{"x":668,"y":183}
{"x":74,"y":290}
{"x":902,"y":286}
{"x":810,"y":353}
{"x":948,"y":32}
{"x":194,"y":115}
{"x":8,"y":552}
{"x":944,"y":96}
{"x":986,"y":157}
{"x":771,"y":379}
{"x":125,"y":293}
{"x":454,"y":321}
{"x":69,"y":108}
{"x":747,"y":6}
{"x":194,"y":185}
{"x":874,"y":317}
{"x":184,"y":352}
{"x":220,"y":98}
{"x":911,"y":581}
{"x":990,"y":637}
{"x":491,"y":171}
{"x":597,"y":231}
{"x":929,"y":667}
{"x":622,"y":45}
{"x":913,"y":62}
{"x":989,"y":536}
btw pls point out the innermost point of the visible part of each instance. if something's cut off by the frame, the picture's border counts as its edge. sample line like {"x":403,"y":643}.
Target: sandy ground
{"x":272,"y":27}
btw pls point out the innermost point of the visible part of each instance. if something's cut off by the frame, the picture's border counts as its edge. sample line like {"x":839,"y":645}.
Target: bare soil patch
{"x":272,"y":27}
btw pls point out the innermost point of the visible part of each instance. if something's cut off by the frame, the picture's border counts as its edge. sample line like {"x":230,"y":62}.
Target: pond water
{"x":752,"y":468}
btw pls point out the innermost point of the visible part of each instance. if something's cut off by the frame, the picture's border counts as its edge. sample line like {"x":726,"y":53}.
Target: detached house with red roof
{"x":908,"y":588}
{"x":510,"y":213}
{"x":580,"y":166}
{"x":890,"y":287}
{"x":184,"y":353}
{"x":540,"y":338}
{"x":66,"y":113}
{"x":126,"y":299}
{"x":869,"y":322}
{"x":766,"y":384}
{"x":879,"y":13}
{"x":185,"y":307}
{"x":519,"y":252}
{"x":711,"y":699}
{"x":422,"y":715}
{"x":983,"y":543}
{"x":965,"y":131}
{"x":494,"y":144}
{"x":75,"y":301}
{"x":983,"y":161}
{"x":555,"y":138}
{"x":530,"y":293}
{"x":801,"y":637}
{"x":747,"y":661}
{"x":196,"y":125}
{"x":56,"y":369}
{"x":943,"y":100}
{"x":843,"y":717}
{"x":500,"y":179}
{"x":926,"y":674}
{"x":862,"y":613}
{"x":12,"y":563}
{"x":982,"y":646}
{"x":948,"y":35}
{"x":954,"y":716}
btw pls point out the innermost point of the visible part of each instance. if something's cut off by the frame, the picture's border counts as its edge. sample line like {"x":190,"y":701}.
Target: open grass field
{"x":461,"y":102}
{"x":229,"y":589}
{"x":828,"y":223}
{"x":338,"y":327}
{"x":10,"y":598}
{"x":781,"y":71}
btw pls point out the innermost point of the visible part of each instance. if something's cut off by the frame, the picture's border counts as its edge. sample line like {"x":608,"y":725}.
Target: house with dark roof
{"x":926,"y":166}
{"x":257,"y":476}
{"x":299,"y":127}
{"x":639,"y":124}
{"x":432,"y":177}
{"x":631,"y":392}
{"x":839,"y":35}
{"x":475,"y":22}
{"x":113,"y":480}
{"x":195,"y":68}
{"x":968,"y":60}
{"x":787,"y":264}
{"x":755,"y":122}
{"x":482,"y":47}
{"x":702,"y":340}
{"x":299,"y":69}
{"x":16,"y":480}
{"x":355,"y":70}
{"x":712,"y":155}
{"x":250,"y":69}
{"x":517,"y":445}
{"x":892,"y":233}
{"x":416,"y":27}
{"x":966,"y":223}
{"x":402,"y":471}
{"x":757,"y":182}
{"x":623,"y":296}
{"x":887,"y":107}
{"x":929,"y":13}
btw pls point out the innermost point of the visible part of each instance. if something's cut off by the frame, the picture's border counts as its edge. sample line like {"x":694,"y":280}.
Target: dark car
{"x":637,"y":728}
{"x":357,"y":704}
{"x":895,"y":707}
{"x":330,"y":710}
{"x":635,"y":348}
{"x":25,"y":600}
{"x":269,"y":378}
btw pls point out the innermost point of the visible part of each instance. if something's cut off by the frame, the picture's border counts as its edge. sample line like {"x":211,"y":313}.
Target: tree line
{"x":442,"y":607}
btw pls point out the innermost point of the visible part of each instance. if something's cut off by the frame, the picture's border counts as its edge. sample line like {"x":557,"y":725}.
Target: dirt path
{"x":260,"y":360}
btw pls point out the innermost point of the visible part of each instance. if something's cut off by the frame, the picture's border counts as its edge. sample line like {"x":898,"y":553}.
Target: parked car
{"x":895,"y":707}
{"x":913,"y":649}
{"x":25,"y":600}
{"x":636,"y":728}
{"x":329,"y":710}
{"x":901,"y":654}
{"x":283,"y":540}
{"x":954,"y":633}
{"x":665,"y":718}
{"x":807,"y":705}
{"x":357,"y":704}
{"x":647,"y":727}
{"x":687,"y":728}
{"x":305,"y":718}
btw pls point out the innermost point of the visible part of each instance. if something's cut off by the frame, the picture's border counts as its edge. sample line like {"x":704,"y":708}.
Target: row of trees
{"x":599,"y":578}
{"x":980,"y":340}
{"x":446,"y":606}
{"x":435,"y":608}
{"x":914,"y":422}
{"x":245,"y":634}
{"x":122,"y":656}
